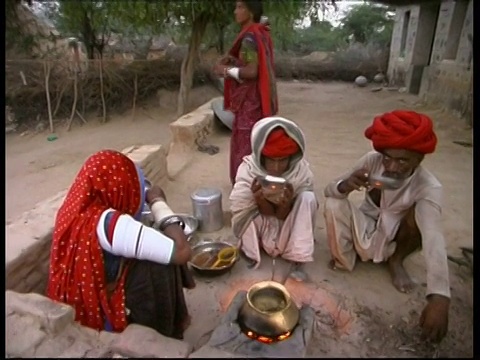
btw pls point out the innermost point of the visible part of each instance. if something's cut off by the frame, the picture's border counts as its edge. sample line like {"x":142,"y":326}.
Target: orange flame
{"x":266,"y":339}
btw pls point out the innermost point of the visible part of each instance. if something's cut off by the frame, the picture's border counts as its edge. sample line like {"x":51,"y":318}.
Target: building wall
{"x":429,"y":65}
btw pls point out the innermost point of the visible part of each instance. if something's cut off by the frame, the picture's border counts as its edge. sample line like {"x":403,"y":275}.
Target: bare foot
{"x":281,"y":270}
{"x":250,"y":262}
{"x":298,"y":273}
{"x":331,"y":265}
{"x":400,"y":278}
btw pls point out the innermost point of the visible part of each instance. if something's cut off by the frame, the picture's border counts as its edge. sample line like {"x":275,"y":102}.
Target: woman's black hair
{"x":255,"y":7}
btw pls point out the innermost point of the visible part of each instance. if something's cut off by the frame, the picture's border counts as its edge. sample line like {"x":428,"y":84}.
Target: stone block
{"x":190,"y":129}
{"x":21,"y":238}
{"x":83,"y":349}
{"x":211,"y":352}
{"x":98,"y":353}
{"x":151,"y":158}
{"x":158,"y":177}
{"x":21,"y":287}
{"x":107,"y":337}
{"x":141,"y":341}
{"x":187,"y":132}
{"x":75,"y":341}
{"x":143,"y":154}
{"x":34,"y":278}
{"x":129,"y":149}
{"x":22,"y":335}
{"x":20,"y":270}
{"x":52,"y":316}
{"x":157,"y":171}
{"x":28,"y":240}
{"x":40,"y":288}
{"x":55,"y":346}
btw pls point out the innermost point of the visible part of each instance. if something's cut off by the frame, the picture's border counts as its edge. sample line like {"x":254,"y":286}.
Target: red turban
{"x":402,"y":130}
{"x":279,"y":144}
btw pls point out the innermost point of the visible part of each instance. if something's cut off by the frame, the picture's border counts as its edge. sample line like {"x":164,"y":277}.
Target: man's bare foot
{"x":400,"y":278}
{"x":298,"y":273}
{"x":331,"y":265}
{"x":250,"y":262}
{"x":281,"y":270}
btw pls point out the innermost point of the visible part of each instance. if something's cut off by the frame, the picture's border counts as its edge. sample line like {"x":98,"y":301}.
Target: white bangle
{"x":234,"y":72}
{"x":160,"y":210}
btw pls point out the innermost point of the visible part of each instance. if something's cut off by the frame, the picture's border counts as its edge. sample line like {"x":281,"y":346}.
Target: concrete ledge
{"x":187,"y":132}
{"x":207,"y":351}
{"x":152,"y":159}
{"x":53,"y":317}
{"x":39,"y":327}
{"x":141,"y":341}
{"x":27,"y":246}
{"x":28,"y":238}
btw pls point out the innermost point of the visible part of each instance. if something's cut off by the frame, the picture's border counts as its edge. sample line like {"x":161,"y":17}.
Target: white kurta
{"x":292,"y":239}
{"x":369,"y":230}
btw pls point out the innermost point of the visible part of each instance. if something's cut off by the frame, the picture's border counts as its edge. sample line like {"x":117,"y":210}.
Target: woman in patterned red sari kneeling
{"x":106,"y":264}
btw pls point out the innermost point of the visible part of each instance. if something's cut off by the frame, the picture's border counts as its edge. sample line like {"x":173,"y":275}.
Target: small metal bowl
{"x":211,"y":247}
{"x":383,"y":182}
{"x":191,"y":222}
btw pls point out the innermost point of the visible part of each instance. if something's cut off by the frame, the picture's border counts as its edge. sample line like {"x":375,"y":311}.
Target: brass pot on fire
{"x":268,"y":310}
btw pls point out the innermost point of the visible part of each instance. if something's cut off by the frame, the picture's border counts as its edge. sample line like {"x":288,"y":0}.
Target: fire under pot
{"x":268,"y":314}
{"x":264,"y":322}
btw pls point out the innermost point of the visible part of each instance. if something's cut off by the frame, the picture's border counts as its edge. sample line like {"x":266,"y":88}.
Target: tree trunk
{"x":221,"y":39}
{"x":89,"y":37}
{"x":90,"y":51}
{"x":188,"y":63}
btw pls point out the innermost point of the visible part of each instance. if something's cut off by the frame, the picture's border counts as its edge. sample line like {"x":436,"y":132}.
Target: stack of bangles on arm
{"x":233,"y":72}
{"x":163,"y":215}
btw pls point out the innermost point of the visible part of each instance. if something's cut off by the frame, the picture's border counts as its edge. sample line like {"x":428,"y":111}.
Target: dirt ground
{"x":359,"y":314}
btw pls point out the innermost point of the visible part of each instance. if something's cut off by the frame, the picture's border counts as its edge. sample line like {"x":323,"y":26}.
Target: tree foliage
{"x":94,"y":21}
{"x":368,"y":23}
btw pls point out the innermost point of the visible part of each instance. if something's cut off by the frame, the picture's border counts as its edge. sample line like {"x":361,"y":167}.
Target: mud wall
{"x":431,"y":53}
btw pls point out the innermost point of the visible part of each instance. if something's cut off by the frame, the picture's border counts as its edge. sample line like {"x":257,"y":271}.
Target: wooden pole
{"x":135,"y":92}
{"x":46,"y":67}
{"x":59,"y":100}
{"x":104,"y":107}
{"x":75,"y":96}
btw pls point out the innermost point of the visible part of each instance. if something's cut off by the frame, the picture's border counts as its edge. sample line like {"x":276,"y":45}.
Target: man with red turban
{"x":280,"y":223}
{"x":401,"y":212}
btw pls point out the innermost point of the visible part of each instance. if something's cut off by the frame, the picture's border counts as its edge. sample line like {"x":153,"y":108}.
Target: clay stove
{"x":231,"y":337}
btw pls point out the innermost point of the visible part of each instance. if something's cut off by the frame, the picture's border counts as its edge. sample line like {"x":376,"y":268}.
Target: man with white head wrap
{"x":286,"y":228}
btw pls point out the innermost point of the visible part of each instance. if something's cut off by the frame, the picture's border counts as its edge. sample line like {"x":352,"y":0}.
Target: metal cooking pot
{"x":268,"y":310}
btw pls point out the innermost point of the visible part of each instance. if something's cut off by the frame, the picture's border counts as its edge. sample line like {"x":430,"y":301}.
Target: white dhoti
{"x":350,"y":232}
{"x":292,"y":239}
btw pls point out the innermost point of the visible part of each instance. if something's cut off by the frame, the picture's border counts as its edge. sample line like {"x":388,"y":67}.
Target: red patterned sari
{"x":108,"y":179}
{"x":250,"y":100}
{"x":151,"y":293}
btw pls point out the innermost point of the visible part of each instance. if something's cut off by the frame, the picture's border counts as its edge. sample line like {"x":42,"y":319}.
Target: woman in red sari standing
{"x":250,"y":91}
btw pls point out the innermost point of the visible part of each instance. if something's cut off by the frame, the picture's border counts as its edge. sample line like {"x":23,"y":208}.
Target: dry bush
{"x":123,"y":83}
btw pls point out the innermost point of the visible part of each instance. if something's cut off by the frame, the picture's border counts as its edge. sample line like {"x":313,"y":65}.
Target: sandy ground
{"x":359,"y":314}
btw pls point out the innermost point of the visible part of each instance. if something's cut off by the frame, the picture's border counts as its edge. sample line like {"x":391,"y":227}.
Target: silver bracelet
{"x":234,"y":72}
{"x":337,"y":184}
{"x":174,"y":219}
